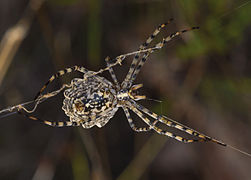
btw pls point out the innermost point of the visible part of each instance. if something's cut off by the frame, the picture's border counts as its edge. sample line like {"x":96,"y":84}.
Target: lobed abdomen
{"x":89,"y":102}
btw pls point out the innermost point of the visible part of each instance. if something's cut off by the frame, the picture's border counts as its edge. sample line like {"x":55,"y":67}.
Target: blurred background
{"x":202,"y":79}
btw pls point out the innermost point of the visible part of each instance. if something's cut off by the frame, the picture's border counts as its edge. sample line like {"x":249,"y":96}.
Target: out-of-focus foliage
{"x":221,"y":29}
{"x":64,"y":2}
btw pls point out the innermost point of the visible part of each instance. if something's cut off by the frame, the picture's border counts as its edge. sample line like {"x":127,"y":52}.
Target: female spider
{"x":93,"y":100}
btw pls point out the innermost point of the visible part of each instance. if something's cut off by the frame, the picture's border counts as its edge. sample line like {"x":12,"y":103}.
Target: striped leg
{"x":161,"y":131}
{"x":160,"y":45}
{"x":112,"y":72}
{"x":142,"y":47}
{"x":119,"y":59}
{"x":172,"y":123}
{"x":132,"y":125}
{"x":50,"y":123}
{"x":132,"y":71}
{"x":137,"y":69}
{"x":40,"y":99}
{"x":170,"y":37}
{"x":61,"y":73}
{"x":14,"y":109}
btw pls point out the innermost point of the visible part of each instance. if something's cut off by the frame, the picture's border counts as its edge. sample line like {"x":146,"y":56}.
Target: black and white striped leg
{"x":61,"y":73}
{"x":111,"y":71}
{"x":160,"y":45}
{"x":173,"y":35}
{"x":135,"y":62}
{"x":50,"y":123}
{"x":161,"y":131}
{"x":138,"y":68}
{"x":42,"y":98}
{"x":172,"y":123}
{"x":142,"y":47}
{"x":132,"y":125}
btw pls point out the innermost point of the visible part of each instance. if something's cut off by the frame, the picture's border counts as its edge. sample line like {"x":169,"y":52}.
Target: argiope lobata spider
{"x":93,"y":100}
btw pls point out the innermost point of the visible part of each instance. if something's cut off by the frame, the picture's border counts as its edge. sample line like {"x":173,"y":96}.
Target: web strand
{"x":240,"y":151}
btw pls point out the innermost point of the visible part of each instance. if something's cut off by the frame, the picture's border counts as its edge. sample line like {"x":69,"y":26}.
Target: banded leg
{"x":138,"y":68}
{"x":160,"y":45}
{"x":120,"y":58}
{"x":50,"y":123}
{"x":172,"y":123}
{"x":112,"y":72}
{"x":132,"y":125}
{"x":161,"y":131}
{"x":142,"y":47}
{"x":35,"y":102}
{"x":39,"y":100}
{"x":61,"y":73}
{"x":170,"y":37}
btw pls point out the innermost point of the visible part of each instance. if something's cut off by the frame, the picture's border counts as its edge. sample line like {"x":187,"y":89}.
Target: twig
{"x":15,"y":35}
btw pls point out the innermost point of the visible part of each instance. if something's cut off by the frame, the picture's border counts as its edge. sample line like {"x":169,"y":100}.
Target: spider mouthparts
{"x":139,"y":97}
{"x":137,"y":86}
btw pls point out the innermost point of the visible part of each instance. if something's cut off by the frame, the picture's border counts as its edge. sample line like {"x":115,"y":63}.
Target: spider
{"x":93,"y":100}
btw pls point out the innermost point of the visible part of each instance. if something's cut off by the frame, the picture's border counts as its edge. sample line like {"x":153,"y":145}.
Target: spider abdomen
{"x":89,"y":101}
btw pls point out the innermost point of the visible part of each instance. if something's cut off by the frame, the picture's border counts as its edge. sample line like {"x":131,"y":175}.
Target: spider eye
{"x":124,"y":91}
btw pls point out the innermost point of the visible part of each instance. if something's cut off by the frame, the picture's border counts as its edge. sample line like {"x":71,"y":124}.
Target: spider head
{"x":133,"y":93}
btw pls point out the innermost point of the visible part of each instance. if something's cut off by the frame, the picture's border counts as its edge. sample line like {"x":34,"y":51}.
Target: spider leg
{"x":150,"y":50}
{"x":61,"y":73}
{"x":112,"y":72}
{"x":132,"y":125}
{"x":138,"y":68}
{"x":145,"y":56}
{"x":119,"y":59}
{"x":172,"y":123}
{"x":39,"y":100}
{"x":50,"y":123}
{"x":171,"y":36}
{"x":135,"y":60}
{"x":161,"y":131}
